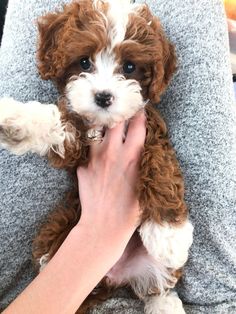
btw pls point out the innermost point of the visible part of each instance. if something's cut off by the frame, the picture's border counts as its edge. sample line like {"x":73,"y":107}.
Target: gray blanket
{"x":201,"y":116}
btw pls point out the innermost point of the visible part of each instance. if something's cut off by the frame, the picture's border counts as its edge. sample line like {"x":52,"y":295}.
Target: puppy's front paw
{"x":11,"y":133}
{"x":12,"y":125}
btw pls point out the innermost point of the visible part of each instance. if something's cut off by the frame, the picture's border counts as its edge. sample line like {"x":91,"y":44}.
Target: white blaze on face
{"x":105,"y":67}
{"x":117,"y":17}
{"x":126,"y":94}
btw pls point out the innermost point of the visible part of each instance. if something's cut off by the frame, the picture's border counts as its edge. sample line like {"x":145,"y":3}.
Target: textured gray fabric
{"x":29,"y":187}
{"x":201,"y":117}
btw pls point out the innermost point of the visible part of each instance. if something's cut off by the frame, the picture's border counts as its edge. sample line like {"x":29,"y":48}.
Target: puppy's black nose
{"x":103,"y":99}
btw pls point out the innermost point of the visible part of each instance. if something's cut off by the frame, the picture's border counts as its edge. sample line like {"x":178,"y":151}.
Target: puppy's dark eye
{"x":85,"y":64}
{"x":128,"y":67}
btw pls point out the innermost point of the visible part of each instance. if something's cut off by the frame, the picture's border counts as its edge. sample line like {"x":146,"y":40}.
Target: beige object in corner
{"x":232,"y":43}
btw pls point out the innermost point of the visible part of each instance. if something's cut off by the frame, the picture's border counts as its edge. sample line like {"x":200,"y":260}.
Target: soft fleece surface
{"x":201,"y":116}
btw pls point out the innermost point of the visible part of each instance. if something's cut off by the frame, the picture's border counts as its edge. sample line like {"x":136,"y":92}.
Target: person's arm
{"x":110,"y":215}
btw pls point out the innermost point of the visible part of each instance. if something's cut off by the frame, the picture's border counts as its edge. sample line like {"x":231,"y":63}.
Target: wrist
{"x":109,"y":244}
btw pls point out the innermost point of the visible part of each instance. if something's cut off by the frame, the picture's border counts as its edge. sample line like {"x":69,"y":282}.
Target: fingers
{"x":113,"y":138}
{"x":136,"y":134}
{"x":111,"y":141}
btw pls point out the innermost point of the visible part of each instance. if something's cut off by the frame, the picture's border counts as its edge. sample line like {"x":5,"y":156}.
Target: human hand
{"x":107,"y":186}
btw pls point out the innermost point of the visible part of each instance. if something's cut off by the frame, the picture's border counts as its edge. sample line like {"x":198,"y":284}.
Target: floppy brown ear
{"x":170,"y":62}
{"x":48,"y":57}
{"x":162,"y":69}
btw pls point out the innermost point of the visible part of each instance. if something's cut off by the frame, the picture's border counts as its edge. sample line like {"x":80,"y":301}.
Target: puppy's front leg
{"x":30,"y":127}
{"x":166,"y":231}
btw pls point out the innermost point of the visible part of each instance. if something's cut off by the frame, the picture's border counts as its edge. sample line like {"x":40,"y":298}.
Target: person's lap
{"x":199,"y":111}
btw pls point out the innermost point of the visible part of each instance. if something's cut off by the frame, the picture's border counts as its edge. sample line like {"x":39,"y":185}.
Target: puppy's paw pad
{"x":12,"y":133}
{"x":168,"y":304}
{"x":12,"y":121}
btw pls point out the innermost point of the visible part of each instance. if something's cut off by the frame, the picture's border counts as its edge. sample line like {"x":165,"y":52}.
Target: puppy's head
{"x":108,"y":57}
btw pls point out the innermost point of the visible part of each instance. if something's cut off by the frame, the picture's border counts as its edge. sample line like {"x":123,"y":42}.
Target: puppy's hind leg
{"x":30,"y":127}
{"x":169,"y":245}
{"x":164,"y":304}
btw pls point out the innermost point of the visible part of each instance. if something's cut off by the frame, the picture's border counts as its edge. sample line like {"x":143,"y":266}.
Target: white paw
{"x":168,"y":304}
{"x":30,"y":127}
{"x":11,"y":133}
{"x":166,"y":243}
{"x":11,"y":130}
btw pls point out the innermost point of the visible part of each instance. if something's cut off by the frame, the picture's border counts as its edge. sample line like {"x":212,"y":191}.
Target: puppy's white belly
{"x":151,"y":257}
{"x":138,"y":268}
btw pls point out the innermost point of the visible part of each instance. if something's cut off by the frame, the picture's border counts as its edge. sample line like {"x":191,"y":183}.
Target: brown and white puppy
{"x":109,"y":59}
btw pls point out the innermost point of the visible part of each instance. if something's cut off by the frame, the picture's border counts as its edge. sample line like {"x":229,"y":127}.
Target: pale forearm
{"x":110,"y":215}
{"x":81,"y":262}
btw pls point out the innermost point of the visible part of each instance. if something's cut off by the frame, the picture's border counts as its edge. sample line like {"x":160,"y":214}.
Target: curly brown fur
{"x":163,"y":201}
{"x":153,"y":51}
{"x":58,"y":59}
{"x":57,"y":226}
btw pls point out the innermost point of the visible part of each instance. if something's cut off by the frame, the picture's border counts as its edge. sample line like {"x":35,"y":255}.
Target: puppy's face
{"x":108,"y":57}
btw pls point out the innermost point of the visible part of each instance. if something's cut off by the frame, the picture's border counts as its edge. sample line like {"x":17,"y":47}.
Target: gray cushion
{"x":199,"y":110}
